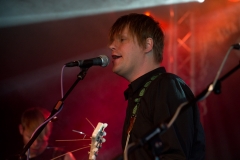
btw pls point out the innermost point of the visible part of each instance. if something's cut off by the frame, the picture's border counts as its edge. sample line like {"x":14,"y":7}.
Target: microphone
{"x":236,"y":46}
{"x":101,"y":60}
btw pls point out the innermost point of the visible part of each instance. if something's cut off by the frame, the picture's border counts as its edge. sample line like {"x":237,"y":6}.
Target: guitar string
{"x":70,"y":151}
{"x":60,"y":140}
{"x":90,"y":123}
{"x":75,"y":140}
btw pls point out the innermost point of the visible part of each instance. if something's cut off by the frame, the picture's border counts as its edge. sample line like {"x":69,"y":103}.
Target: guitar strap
{"x":135,"y":109}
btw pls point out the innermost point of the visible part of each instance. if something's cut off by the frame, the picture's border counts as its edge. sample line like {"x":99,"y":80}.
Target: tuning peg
{"x":93,"y":157}
{"x":99,"y":145}
{"x":95,"y":151}
{"x":104,"y":133}
{"x":105,"y":125}
{"x":103,"y":140}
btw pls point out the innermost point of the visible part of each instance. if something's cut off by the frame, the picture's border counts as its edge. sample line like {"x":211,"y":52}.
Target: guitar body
{"x":97,"y":140}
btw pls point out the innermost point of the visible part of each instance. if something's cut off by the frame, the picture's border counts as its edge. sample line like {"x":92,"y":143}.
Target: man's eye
{"x":122,"y":39}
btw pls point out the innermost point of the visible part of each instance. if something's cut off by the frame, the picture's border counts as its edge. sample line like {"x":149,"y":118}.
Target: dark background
{"x":32,"y":56}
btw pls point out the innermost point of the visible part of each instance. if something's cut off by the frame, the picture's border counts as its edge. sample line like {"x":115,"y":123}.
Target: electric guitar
{"x":97,"y":140}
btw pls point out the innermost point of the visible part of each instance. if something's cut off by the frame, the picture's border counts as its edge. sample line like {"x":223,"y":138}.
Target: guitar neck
{"x":97,"y":140}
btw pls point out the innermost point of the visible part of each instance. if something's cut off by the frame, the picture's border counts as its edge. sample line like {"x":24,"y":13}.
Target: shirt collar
{"x":139,"y":82}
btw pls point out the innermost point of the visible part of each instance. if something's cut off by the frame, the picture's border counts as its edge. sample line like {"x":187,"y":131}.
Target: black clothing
{"x":49,"y":153}
{"x":185,"y":139}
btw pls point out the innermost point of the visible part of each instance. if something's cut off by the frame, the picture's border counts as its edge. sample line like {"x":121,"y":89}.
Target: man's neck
{"x":142,"y":72}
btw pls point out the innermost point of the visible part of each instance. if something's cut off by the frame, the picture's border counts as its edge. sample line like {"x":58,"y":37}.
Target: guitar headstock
{"x":97,"y":140}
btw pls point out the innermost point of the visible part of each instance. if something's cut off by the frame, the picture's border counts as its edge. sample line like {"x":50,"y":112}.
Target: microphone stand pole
{"x":56,"y":109}
{"x":217,"y":88}
{"x":150,"y":137}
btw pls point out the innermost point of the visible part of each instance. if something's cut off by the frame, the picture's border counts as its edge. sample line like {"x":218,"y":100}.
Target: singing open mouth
{"x":115,"y":56}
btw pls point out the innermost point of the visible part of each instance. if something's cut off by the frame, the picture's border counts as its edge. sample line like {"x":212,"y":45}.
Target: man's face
{"x":127,"y":55}
{"x":38,"y":145}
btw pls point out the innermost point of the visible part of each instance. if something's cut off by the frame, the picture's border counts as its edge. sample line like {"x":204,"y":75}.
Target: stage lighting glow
{"x":16,"y":12}
{"x":147,"y":13}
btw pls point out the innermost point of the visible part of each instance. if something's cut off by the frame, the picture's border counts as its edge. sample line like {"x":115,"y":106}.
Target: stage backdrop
{"x":32,"y":57}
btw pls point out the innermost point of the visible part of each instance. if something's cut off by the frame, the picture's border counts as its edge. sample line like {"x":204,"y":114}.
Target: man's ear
{"x":20,"y":127}
{"x":149,"y":45}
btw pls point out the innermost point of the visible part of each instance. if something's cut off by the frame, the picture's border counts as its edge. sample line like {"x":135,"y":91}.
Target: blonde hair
{"x":33,"y":117}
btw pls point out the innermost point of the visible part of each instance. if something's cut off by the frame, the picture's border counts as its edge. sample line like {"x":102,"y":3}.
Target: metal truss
{"x":181,"y":50}
{"x":181,"y":46}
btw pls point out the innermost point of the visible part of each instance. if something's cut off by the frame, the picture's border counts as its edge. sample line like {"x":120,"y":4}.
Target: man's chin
{"x":35,"y":151}
{"x":116,"y":72}
{"x":116,"y":69}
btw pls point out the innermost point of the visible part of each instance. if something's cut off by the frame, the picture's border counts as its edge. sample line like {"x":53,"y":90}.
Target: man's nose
{"x":112,"y":45}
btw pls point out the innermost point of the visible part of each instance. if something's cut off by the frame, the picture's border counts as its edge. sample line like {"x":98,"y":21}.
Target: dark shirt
{"x":185,"y":139}
{"x":49,"y":153}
